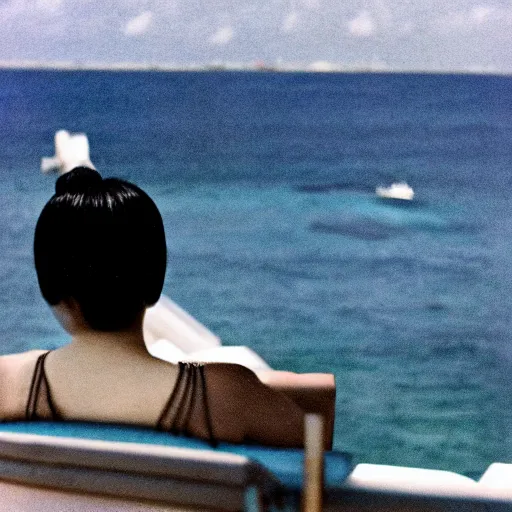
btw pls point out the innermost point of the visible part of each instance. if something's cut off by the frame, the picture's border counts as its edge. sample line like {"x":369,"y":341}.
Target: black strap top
{"x":175,"y":417}
{"x":37,"y":409}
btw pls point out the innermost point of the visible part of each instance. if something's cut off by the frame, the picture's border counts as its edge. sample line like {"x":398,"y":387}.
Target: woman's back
{"x":100,"y":255}
{"x":131,"y":387}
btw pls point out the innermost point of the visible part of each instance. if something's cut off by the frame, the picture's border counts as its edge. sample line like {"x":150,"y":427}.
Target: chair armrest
{"x":312,"y":392}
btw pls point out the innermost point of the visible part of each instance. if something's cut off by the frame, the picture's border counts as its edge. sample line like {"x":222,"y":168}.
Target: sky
{"x":445,"y":35}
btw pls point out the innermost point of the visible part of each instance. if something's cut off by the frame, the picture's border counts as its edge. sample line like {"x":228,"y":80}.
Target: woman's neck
{"x":84,"y":339}
{"x":127,"y":341}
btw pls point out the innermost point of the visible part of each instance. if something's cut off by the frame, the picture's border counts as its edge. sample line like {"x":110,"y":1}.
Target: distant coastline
{"x":314,"y":67}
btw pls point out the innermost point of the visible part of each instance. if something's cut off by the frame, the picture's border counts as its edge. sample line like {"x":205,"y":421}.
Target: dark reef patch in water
{"x":369,"y":228}
{"x":364,"y":229}
{"x":326,"y":188}
{"x":435,"y":306}
{"x":401,"y":203}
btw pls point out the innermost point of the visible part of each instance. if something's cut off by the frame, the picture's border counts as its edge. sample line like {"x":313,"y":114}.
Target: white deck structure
{"x":71,"y":150}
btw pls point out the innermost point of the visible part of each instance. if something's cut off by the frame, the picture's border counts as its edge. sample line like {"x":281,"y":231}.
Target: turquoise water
{"x":277,"y":240}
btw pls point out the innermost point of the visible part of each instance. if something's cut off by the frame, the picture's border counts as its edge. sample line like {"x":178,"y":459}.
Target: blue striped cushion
{"x":285,"y":463}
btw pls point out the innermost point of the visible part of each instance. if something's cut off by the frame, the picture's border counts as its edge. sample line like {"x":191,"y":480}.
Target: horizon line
{"x":258,"y":66}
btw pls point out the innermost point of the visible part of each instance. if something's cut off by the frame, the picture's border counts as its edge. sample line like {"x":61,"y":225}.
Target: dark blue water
{"x":277,"y":241}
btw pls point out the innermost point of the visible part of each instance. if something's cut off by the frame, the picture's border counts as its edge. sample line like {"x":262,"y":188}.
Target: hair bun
{"x":77,"y":180}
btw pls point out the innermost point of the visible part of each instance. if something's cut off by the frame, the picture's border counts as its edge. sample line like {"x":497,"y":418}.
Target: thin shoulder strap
{"x":49,"y":399}
{"x":186,"y":404}
{"x":176,"y":414}
{"x":206,"y":408}
{"x":172,"y":398}
{"x":38,"y":386}
{"x":35,"y":387}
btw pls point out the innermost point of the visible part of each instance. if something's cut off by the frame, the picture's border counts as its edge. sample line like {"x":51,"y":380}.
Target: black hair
{"x":102,"y":243}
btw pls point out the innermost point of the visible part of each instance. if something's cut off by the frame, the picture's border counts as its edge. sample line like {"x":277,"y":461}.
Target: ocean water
{"x":277,"y":241}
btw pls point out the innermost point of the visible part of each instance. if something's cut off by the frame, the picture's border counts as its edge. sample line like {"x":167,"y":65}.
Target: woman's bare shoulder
{"x":15,"y":376}
{"x":235,"y":380}
{"x":230,"y":371}
{"x":253,"y":410}
{"x":12,"y":363}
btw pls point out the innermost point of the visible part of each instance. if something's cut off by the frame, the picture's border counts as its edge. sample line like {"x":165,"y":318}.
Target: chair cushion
{"x":285,"y":463}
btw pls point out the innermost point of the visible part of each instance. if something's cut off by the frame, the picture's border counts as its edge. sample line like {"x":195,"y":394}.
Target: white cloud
{"x":383,"y":13}
{"x":311,"y":4}
{"x":24,"y":8}
{"x":407,"y":28}
{"x":362,"y":25}
{"x":475,"y":68}
{"x":49,"y":5}
{"x":477,"y":17}
{"x":481,"y":14}
{"x":290,"y":22}
{"x":138,"y":25}
{"x":322,"y":66}
{"x":222,"y":36}
{"x":10,"y":10}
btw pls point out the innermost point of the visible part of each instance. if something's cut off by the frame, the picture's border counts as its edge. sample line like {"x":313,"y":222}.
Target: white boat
{"x":400,"y":191}
{"x":71,"y":150}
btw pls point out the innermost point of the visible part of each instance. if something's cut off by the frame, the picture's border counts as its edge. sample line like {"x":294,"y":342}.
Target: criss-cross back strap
{"x":175,"y":416}
{"x":206,"y":408}
{"x":39,"y":386}
{"x":177,"y":411}
{"x":164,"y":421}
